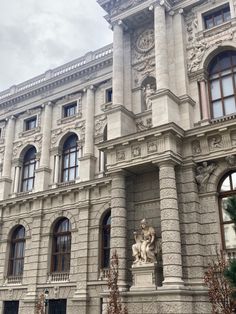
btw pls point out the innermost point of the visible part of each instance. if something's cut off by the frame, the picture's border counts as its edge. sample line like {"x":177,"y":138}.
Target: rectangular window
{"x":11,"y":307}
{"x":217,"y":17}
{"x":30,"y":123}
{"x":57,"y":306}
{"x":109,"y":95}
{"x":70,"y":110}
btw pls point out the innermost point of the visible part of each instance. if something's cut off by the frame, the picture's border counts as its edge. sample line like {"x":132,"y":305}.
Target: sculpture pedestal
{"x":144,"y":276}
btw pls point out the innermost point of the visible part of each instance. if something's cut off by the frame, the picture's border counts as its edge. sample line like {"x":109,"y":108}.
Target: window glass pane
{"x":25,"y":172}
{"x":218,"y":19}
{"x":226,"y":185}
{"x":30,"y":184}
{"x":230,"y":236}
{"x":72,"y":159}
{"x":31,"y":170}
{"x":217,"y":109}
{"x":224,"y":204}
{"x":233,"y":176}
{"x":72,"y":174}
{"x":229,"y":104}
{"x":209,"y":22}
{"x":225,"y":61}
{"x":66,"y":161}
{"x":215,"y":89}
{"x":24,"y":186}
{"x":227,"y":15}
{"x":227,"y":84}
{"x":66,"y":175}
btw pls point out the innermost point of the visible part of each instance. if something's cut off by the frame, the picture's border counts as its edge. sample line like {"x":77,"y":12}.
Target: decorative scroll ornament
{"x":203,"y":174}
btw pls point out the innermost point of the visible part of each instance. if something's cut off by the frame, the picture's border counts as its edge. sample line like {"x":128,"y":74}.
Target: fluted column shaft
{"x":119,"y":223}
{"x":46,"y":140}
{"x":10,"y":131}
{"x":161,"y":52}
{"x":170,"y":226}
{"x":118,"y":65}
{"x":89,"y":125}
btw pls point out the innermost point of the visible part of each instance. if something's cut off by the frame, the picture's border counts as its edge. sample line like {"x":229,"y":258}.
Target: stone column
{"x":5,"y":181}
{"x":87,"y":162}
{"x":9,"y":138}
{"x":119,"y":224}
{"x":56,"y":169}
{"x":89,"y":124}
{"x":170,"y":227}
{"x":118,"y":64}
{"x":43,"y":172}
{"x":46,"y":140}
{"x":161,"y":52}
{"x":204,"y":100}
{"x":17,"y":178}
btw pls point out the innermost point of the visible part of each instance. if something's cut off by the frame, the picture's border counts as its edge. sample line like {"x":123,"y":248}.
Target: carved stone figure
{"x":231,"y":160}
{"x":215,"y":142}
{"x":196,"y":148}
{"x":203,"y":173}
{"x":148,"y":92}
{"x":145,"y":248}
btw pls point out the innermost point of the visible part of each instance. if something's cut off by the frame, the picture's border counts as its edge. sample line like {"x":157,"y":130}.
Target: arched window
{"x":17,"y":252}
{"x":70,"y":155}
{"x":28,"y":172}
{"x":227,"y":189}
{"x":222,"y":84}
{"x":61,"y":246}
{"x":106,"y":236}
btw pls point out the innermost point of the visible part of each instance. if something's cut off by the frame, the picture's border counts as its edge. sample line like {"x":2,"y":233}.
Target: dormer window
{"x":217,"y":16}
{"x":70,"y":109}
{"x":30,"y":123}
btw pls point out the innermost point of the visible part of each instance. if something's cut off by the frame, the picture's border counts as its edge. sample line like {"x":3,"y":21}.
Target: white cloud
{"x":39,"y":35}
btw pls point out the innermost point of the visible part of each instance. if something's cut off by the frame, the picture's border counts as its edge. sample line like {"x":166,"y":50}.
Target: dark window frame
{"x":31,"y":123}
{"x":105,"y":231}
{"x":109,"y":94}
{"x":222,"y":195}
{"x":70,"y":110}
{"x":219,"y":76}
{"x":223,"y":12}
{"x":28,"y":164}
{"x":67,"y":152}
{"x":59,"y":255}
{"x":14,"y":258}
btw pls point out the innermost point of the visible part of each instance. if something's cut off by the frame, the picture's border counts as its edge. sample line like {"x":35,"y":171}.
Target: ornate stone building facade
{"x":143,"y":128}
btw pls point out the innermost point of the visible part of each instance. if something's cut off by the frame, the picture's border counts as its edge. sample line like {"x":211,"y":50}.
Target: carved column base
{"x":146,"y":276}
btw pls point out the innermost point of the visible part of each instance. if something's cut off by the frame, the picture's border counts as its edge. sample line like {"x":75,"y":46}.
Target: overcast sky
{"x":39,"y":35}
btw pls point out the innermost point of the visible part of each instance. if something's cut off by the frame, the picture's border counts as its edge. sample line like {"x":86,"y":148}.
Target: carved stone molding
{"x":100,"y":123}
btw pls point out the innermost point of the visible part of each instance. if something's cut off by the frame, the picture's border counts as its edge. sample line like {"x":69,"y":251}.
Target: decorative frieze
{"x":215,"y":142}
{"x":196,"y":148}
{"x":136,"y":151}
{"x":120,"y":155}
{"x":143,"y":124}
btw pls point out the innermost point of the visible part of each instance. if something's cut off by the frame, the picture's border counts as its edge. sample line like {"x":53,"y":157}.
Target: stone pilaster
{"x":43,"y":172}
{"x":80,"y":297}
{"x":170,"y":226}
{"x":161,"y":52}
{"x":5,"y":182}
{"x":17,"y":177}
{"x":119,"y":224}
{"x":118,"y":64}
{"x":87,"y":162}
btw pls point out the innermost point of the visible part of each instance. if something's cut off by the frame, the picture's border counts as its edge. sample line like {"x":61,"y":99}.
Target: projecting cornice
{"x":86,"y":68}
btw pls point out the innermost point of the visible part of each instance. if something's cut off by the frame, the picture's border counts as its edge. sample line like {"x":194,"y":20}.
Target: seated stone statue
{"x":145,"y":248}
